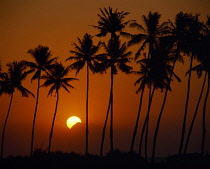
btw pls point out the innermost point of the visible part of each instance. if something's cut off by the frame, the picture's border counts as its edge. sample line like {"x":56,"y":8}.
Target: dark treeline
{"x":160,"y":47}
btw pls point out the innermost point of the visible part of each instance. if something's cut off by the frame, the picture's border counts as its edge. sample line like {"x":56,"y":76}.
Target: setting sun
{"x":71,"y":121}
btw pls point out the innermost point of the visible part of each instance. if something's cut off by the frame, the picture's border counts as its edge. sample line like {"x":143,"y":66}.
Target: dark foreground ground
{"x":115,"y":160}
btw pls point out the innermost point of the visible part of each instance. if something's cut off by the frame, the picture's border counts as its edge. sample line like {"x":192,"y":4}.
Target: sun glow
{"x":73,"y":120}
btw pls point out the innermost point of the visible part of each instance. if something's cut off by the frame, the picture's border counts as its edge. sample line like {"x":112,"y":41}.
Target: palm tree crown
{"x":13,"y":79}
{"x":85,"y":52}
{"x":150,"y":35}
{"x":115,"y":56}
{"x":41,"y":55}
{"x":56,"y":78}
{"x":111,"y":21}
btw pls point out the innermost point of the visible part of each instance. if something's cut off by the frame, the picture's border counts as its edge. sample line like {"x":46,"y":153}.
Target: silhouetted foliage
{"x":43,"y":62}
{"x":161,"y":45}
{"x":85,"y":53}
{"x":11,"y":81}
{"x":115,"y":57}
{"x":56,"y":78}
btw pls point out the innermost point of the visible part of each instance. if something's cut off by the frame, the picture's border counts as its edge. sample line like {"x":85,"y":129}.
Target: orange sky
{"x":27,"y":23}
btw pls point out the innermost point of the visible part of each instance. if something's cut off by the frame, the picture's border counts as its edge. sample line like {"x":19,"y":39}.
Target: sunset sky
{"x":24,"y":24}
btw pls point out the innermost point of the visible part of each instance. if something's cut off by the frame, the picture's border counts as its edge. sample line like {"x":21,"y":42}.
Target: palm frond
{"x":25,"y":92}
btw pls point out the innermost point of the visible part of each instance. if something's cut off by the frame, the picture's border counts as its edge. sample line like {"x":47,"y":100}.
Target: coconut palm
{"x":196,"y":109}
{"x":10,"y":82}
{"x":150,"y":34}
{"x":149,"y":38}
{"x":43,"y":62}
{"x":141,"y":88}
{"x":176,"y":42}
{"x":206,"y":66}
{"x":115,"y":57}
{"x":85,"y":54}
{"x":142,"y":81}
{"x":203,"y":55}
{"x":158,"y":77}
{"x":111,"y":21}
{"x":194,"y":29}
{"x":56,"y":79}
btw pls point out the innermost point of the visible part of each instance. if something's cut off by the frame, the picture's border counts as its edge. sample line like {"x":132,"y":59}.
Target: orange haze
{"x":27,"y":23}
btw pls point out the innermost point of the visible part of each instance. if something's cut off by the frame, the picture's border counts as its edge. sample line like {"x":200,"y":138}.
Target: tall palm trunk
{"x":87,"y":90}
{"x":137,"y":120}
{"x":111,"y":113}
{"x":5,"y":124}
{"x":195,"y":114}
{"x":53,"y":121}
{"x":204,"y":118}
{"x":161,"y":112}
{"x":186,"y":109}
{"x":34,"y":119}
{"x":147,"y":121}
{"x":104,"y":128}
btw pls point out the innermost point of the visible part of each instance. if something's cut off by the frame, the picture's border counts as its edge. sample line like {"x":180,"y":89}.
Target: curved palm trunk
{"x":161,"y":112}
{"x":51,"y":131}
{"x":186,"y":109}
{"x":204,"y":118}
{"x":111,"y":114}
{"x":143,"y":130}
{"x":137,"y":121}
{"x":5,"y":124}
{"x":104,"y":128}
{"x":34,"y":119}
{"x":147,"y":123}
{"x":86,"y":150}
{"x":195,"y":114}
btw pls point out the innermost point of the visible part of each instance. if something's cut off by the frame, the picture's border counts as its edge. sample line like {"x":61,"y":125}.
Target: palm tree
{"x":111,"y":21}
{"x":176,"y":41}
{"x":141,"y":88}
{"x":143,"y":81}
{"x":203,"y":55}
{"x":149,"y":38}
{"x":56,"y":78}
{"x":196,"y":109}
{"x":115,"y":57}
{"x":206,"y":66}
{"x":192,"y":38}
{"x":159,"y":74}
{"x":43,"y":62}
{"x":11,"y":81}
{"x":150,"y":34}
{"x":85,"y":53}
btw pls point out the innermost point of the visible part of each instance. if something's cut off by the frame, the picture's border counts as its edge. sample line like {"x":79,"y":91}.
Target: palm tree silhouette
{"x":149,"y":35}
{"x":192,"y":39}
{"x":196,"y":109}
{"x":85,"y":53}
{"x":115,"y":57}
{"x":56,"y":78}
{"x":43,"y":62}
{"x":111,"y":21}
{"x":143,"y":81}
{"x":203,"y":56}
{"x":11,"y":81}
{"x":206,"y":66}
{"x":176,"y":41}
{"x":158,"y":71}
{"x":149,"y":38}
